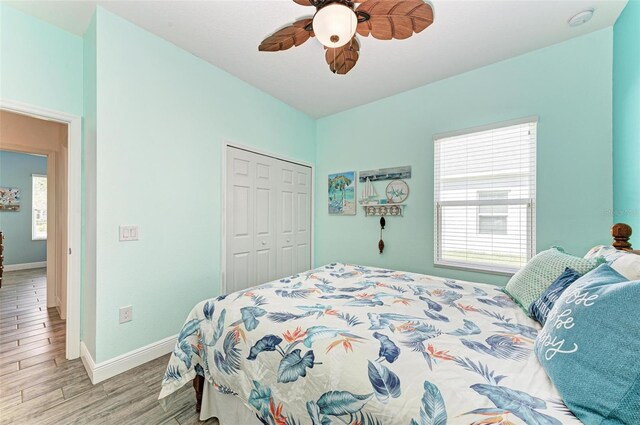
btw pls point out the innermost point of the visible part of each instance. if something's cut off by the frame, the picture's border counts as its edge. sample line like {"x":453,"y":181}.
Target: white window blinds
{"x":485,"y":191}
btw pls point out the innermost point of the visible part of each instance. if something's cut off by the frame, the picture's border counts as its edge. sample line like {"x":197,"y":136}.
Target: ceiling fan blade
{"x":289,"y":36}
{"x":388,"y":19}
{"x":342,"y":59}
{"x":304,"y":2}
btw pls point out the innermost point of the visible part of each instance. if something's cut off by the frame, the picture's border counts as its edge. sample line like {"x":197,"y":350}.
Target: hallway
{"x":30,"y":333}
{"x":32,"y":337}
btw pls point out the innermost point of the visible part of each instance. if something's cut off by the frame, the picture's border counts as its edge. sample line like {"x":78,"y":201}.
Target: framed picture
{"x":9,"y":199}
{"x":342,"y":193}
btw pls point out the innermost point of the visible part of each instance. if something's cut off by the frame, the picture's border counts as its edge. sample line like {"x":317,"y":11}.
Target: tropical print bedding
{"x":347,"y":344}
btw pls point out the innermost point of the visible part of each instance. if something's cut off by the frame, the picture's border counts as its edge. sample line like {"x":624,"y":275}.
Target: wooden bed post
{"x":621,"y":233}
{"x":198,"y":385}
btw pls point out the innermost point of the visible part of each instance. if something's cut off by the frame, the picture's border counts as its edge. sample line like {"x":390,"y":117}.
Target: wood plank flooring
{"x":39,"y":386}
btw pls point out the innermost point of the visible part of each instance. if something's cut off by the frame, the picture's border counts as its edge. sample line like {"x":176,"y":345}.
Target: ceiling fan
{"x":336,"y":22}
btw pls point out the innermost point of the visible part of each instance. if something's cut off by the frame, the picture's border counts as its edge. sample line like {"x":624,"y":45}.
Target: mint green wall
{"x":567,"y":85}
{"x":626,"y":118}
{"x":162,"y":115}
{"x":40,"y":64}
{"x":15,"y":171}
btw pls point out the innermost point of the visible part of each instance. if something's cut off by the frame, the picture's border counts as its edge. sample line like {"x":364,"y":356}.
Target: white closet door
{"x":265,"y":219}
{"x":303,"y":218}
{"x":239,"y":223}
{"x":250,"y":220}
{"x":286,"y":219}
{"x":268,"y":219}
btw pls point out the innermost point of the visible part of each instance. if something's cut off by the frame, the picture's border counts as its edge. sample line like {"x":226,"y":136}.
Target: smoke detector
{"x":581,"y":18}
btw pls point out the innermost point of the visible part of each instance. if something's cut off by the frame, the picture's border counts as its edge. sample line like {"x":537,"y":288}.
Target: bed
{"x":349,"y":344}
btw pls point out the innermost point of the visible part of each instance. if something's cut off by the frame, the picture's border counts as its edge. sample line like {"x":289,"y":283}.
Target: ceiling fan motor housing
{"x":322,"y":3}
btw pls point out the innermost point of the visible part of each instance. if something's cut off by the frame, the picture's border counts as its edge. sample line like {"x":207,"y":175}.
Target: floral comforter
{"x":346,"y":344}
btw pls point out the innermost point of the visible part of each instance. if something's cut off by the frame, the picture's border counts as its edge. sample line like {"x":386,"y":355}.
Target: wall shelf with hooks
{"x":384,"y":209}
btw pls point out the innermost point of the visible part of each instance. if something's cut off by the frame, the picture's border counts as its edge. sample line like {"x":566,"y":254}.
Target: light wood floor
{"x":39,"y":386}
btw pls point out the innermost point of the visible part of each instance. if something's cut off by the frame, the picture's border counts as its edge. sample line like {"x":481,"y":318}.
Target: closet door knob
{"x":264,"y":242}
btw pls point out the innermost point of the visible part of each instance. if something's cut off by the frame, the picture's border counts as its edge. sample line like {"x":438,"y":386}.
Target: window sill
{"x":502,"y":271}
{"x":39,"y":239}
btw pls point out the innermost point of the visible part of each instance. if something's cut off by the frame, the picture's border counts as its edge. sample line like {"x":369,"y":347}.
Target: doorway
{"x":25,"y":129}
{"x":267,"y":222}
{"x":33,"y":220}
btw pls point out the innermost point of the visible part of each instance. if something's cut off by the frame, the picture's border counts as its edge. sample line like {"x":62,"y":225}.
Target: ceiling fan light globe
{"x":334,"y":25}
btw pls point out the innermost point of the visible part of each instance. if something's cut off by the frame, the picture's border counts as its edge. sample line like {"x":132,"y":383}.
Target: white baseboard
{"x":99,"y":372}
{"x":25,"y":266}
{"x":87,"y":361}
{"x":61,"y":312}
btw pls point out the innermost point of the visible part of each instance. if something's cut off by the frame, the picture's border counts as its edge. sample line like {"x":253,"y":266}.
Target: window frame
{"x":530,"y":204}
{"x":34,"y":235}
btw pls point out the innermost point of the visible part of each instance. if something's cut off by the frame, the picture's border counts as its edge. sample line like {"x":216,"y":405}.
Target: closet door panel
{"x":286,"y":219}
{"x":286,"y":262}
{"x":240,"y":265}
{"x":286,"y":213}
{"x":264,"y":217}
{"x":303,"y":218}
{"x":240,"y":271}
{"x":241,"y":224}
{"x":265,"y":266}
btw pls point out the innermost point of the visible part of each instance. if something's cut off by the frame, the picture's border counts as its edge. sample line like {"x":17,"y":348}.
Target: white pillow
{"x":624,"y":262}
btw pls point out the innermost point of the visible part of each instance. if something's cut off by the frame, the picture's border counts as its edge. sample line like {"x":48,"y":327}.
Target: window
{"x":484,"y":197}
{"x":38,"y":207}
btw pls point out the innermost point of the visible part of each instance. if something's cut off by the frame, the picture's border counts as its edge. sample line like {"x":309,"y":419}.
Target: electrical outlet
{"x":126,"y":314}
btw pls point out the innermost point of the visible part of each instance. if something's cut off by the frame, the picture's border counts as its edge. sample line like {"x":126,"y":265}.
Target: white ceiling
{"x":466,"y":34}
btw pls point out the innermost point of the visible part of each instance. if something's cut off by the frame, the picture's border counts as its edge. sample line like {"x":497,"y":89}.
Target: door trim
{"x":74,"y":214}
{"x":223,"y":249}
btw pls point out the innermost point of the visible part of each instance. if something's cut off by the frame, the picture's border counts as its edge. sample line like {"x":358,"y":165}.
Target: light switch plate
{"x":129,"y":233}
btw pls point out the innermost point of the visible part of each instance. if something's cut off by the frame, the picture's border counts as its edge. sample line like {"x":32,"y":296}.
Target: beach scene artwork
{"x":342,"y":193}
{"x":9,"y":199}
{"x":394,"y":173}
